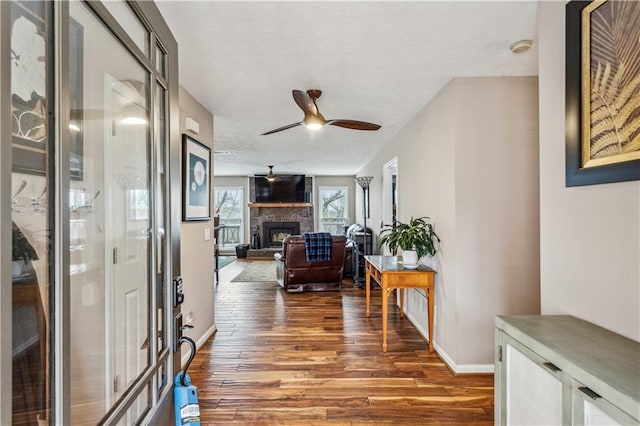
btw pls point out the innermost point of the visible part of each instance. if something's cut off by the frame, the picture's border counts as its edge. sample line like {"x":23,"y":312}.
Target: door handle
{"x":591,"y":394}
{"x":551,"y":366}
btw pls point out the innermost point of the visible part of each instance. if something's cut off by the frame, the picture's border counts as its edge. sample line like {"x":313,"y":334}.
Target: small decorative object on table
{"x":416,"y":239}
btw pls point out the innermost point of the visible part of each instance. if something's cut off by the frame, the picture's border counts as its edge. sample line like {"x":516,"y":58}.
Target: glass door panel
{"x":109,"y":286}
{"x":110,"y":213}
{"x":32,"y":255}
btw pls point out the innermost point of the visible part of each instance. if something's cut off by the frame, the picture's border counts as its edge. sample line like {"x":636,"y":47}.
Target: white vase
{"x":409,"y":257}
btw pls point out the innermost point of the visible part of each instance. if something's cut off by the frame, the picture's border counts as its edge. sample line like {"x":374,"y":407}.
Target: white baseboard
{"x":457,"y":369}
{"x":199,"y":343}
{"x":463,"y":368}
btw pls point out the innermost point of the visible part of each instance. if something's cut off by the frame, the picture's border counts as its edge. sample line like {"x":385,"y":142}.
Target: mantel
{"x":280,"y":205}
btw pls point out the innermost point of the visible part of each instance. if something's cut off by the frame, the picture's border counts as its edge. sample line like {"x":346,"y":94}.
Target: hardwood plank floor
{"x":315,"y":359}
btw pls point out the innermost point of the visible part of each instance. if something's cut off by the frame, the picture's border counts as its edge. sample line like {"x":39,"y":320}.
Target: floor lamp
{"x":364,"y":182}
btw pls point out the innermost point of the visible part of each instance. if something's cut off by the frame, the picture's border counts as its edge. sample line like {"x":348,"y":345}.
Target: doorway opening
{"x":389,"y":195}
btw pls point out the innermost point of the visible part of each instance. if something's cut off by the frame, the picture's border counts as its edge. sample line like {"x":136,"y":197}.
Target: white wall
{"x":469,"y":161}
{"x":196,"y":253}
{"x":589,"y":235}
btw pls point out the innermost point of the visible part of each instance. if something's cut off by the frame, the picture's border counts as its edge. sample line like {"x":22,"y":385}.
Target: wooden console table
{"x":390,"y":274}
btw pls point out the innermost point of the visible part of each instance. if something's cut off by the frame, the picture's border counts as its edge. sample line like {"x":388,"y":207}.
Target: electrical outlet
{"x":189,"y":319}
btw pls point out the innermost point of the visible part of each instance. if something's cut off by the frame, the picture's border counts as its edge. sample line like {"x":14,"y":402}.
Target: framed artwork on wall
{"x":196,"y":180}
{"x":602,"y":90}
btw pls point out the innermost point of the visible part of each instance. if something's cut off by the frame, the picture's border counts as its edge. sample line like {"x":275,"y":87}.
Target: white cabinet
{"x":533,"y":393}
{"x":559,"y":370}
{"x":591,"y":409}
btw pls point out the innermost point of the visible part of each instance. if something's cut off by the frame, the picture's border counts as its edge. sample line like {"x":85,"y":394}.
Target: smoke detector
{"x":521,"y":46}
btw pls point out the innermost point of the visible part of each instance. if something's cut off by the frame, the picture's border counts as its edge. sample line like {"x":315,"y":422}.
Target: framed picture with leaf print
{"x":602,"y":92}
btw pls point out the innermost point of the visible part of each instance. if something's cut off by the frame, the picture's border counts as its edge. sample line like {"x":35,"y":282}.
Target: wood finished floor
{"x":314,"y":359}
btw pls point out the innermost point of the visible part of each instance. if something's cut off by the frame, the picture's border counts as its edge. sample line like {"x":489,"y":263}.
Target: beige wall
{"x":497,"y":208}
{"x":469,"y":161}
{"x":589,"y":235}
{"x":196,"y":253}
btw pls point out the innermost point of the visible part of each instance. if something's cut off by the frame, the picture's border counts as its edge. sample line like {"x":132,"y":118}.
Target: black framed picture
{"x":196,"y":180}
{"x":602,"y":88}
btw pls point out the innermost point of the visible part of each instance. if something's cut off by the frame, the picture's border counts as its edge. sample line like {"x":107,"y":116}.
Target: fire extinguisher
{"x":185,"y":395}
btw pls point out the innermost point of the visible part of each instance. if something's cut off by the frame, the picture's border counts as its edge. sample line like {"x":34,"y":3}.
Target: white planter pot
{"x":409,"y":257}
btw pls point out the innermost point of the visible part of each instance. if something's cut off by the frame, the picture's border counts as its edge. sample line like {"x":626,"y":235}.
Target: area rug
{"x":224,"y":261}
{"x":258,"y":271}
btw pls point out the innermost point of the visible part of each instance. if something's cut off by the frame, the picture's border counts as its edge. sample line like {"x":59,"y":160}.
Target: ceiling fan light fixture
{"x":74,"y":127}
{"x":270,"y":176}
{"x":313,"y":122}
{"x":313,"y":126}
{"x":133,"y":121}
{"x":133,"y":115}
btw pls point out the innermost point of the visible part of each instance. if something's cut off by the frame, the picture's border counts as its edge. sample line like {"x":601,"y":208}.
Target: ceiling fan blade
{"x":305,"y":102}
{"x":354,"y":124}
{"x":279,"y":129}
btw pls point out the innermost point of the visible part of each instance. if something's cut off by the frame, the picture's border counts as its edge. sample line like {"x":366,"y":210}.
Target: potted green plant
{"x":416,"y":239}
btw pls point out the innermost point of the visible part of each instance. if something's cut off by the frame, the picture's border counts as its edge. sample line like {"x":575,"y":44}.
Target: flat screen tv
{"x":284,"y":189}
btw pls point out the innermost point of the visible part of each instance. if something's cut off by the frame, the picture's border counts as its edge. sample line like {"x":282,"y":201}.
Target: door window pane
{"x":130,"y":23}
{"x":229,"y":206}
{"x":32,"y":254}
{"x":334,"y":209}
{"x":161,"y":60}
{"x":110,"y":213}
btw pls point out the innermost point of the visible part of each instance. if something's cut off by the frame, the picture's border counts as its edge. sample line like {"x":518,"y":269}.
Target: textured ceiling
{"x":374,"y":61}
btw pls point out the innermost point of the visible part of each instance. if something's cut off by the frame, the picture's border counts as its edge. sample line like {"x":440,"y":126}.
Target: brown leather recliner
{"x":296,"y":274}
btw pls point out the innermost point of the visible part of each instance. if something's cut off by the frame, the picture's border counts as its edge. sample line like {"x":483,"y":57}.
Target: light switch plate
{"x":207,"y":234}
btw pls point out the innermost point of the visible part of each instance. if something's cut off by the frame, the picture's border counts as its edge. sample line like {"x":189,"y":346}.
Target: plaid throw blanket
{"x":317,"y":246}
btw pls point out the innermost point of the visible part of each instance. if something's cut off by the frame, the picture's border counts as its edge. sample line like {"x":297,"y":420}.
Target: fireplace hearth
{"x":275,"y":232}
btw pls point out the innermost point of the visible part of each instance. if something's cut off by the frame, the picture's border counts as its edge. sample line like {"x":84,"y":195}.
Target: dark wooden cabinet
{"x":359,"y":253}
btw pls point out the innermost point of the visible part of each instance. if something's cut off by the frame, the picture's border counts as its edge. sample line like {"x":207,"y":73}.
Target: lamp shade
{"x":364,"y":181}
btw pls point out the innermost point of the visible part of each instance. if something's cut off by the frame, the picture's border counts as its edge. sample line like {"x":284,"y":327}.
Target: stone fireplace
{"x":275,"y":232}
{"x":279,"y":213}
{"x":302,"y":217}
